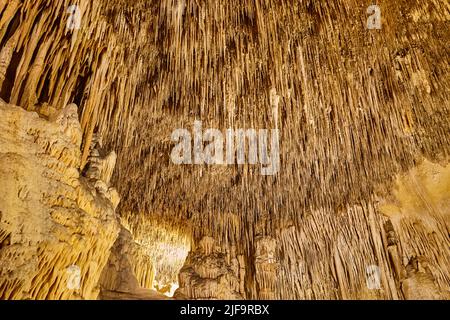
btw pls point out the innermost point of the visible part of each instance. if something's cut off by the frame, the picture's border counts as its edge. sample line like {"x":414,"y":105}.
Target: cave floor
{"x":140,"y":294}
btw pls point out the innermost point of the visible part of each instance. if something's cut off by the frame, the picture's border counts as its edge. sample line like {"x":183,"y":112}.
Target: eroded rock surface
{"x":355,"y":108}
{"x":52,"y":219}
{"x":122,"y":273}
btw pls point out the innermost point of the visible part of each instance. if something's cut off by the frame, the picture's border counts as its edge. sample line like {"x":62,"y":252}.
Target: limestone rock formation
{"x":51,"y":217}
{"x":266,"y":267}
{"x":419,"y":214}
{"x":359,"y":208}
{"x":126,"y":257}
{"x":208,"y":275}
{"x":420,"y":283}
{"x":129,"y":273}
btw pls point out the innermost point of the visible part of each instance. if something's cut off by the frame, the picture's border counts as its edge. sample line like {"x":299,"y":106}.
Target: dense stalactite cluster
{"x":356,"y":109}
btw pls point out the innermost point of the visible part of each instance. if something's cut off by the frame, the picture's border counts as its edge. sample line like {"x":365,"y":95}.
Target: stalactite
{"x":356,"y":109}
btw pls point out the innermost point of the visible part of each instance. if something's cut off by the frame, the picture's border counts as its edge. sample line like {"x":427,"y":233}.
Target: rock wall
{"x":355,"y":109}
{"x":417,"y":233}
{"x":166,"y":247}
{"x":61,"y":52}
{"x":56,"y":226}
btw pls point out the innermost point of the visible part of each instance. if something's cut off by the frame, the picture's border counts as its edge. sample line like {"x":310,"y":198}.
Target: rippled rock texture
{"x":359,"y":208}
{"x":54,"y":223}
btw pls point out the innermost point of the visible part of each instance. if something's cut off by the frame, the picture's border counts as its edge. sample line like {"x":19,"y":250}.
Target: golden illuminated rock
{"x":359,"y":208}
{"x":51,"y":217}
